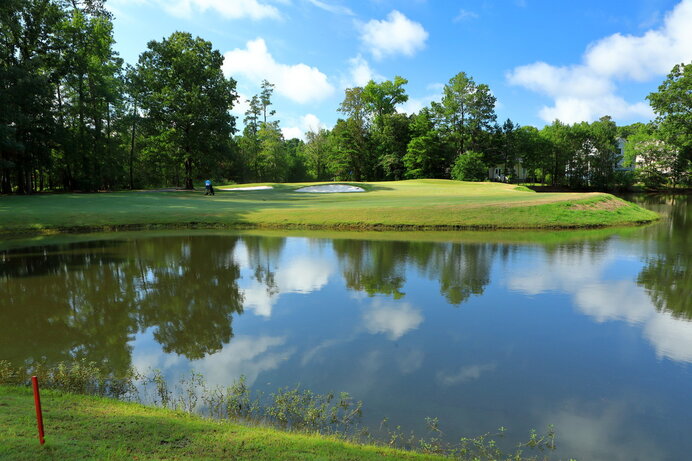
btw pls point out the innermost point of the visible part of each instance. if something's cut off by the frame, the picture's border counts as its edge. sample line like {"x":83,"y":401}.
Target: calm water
{"x":589,"y":331}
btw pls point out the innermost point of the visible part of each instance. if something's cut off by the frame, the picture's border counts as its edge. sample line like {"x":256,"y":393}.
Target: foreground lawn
{"x":82,"y":427}
{"x":418,"y":204}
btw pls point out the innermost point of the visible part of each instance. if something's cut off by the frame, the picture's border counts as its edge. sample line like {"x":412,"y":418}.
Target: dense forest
{"x":74,"y":117}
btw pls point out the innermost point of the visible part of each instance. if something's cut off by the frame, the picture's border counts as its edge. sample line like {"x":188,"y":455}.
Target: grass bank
{"x":397,"y":205}
{"x":87,"y":427}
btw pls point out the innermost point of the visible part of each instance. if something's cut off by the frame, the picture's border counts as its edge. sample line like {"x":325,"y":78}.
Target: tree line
{"x":74,"y":117}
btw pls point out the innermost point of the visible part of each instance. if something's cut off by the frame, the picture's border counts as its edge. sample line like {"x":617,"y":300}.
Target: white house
{"x":500,"y":173}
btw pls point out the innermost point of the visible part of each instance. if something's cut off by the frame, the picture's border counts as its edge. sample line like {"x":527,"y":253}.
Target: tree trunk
{"x":132,"y":145}
{"x":188,"y":170}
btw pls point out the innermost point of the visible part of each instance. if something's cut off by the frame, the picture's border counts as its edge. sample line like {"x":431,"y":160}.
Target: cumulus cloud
{"x":587,"y":91}
{"x":308,"y":122}
{"x":241,"y":105}
{"x":394,"y":320}
{"x":299,"y":82}
{"x":360,"y":73}
{"x":395,"y":35}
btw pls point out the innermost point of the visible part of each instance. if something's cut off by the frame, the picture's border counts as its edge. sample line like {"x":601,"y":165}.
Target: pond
{"x":590,"y":331}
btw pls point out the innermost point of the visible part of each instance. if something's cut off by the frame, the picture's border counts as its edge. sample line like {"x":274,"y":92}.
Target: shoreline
{"x":91,"y":427}
{"x":90,"y":229}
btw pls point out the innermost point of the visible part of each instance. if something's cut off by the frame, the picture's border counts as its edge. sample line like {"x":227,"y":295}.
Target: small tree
{"x":470,"y":167}
{"x":672,"y":104}
{"x":656,"y":162}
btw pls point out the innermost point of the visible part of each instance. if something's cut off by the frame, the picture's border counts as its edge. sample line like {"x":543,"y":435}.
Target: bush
{"x":469,"y":166}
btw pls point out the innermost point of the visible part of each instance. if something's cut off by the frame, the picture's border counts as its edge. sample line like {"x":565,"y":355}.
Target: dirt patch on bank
{"x":609,"y":204}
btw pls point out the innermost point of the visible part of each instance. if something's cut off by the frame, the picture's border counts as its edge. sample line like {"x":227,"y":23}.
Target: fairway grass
{"x":395,"y":205}
{"x":84,"y":427}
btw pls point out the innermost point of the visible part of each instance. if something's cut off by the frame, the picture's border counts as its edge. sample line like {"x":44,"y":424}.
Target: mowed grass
{"x":415,"y":204}
{"x":83,"y":427}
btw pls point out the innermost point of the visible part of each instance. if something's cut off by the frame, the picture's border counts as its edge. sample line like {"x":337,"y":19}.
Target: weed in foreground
{"x":293,"y":409}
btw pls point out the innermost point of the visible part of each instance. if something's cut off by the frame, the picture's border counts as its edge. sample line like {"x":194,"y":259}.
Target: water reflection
{"x":667,"y":276}
{"x":600,"y":289}
{"x":394,"y":320}
{"x":91,"y":304}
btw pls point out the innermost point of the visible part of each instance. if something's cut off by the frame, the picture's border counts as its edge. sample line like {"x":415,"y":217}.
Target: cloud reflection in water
{"x":583,"y":277}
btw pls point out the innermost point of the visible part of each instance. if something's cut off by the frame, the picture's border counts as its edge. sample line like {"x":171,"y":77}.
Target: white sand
{"x":249,"y":188}
{"x":330,"y":188}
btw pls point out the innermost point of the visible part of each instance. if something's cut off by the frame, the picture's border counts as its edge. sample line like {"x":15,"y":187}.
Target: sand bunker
{"x":330,"y":188}
{"x":249,"y":188}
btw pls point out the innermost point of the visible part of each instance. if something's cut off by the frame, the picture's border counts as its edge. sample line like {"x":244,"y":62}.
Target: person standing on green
{"x":209,"y":190}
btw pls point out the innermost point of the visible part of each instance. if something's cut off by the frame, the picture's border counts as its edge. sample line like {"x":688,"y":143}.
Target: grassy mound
{"x":396,"y":205}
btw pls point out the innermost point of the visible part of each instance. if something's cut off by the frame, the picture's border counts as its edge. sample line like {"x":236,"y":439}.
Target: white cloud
{"x":360,"y":73}
{"x":464,"y":15}
{"x":603,"y":431}
{"x":302,"y":275}
{"x":395,"y":35}
{"x":671,"y":337}
{"x":311,"y":354}
{"x":465,"y":374}
{"x":336,"y":9}
{"x":394,"y":320}
{"x":586,"y":91}
{"x":259,"y":299}
{"x":241,"y":106}
{"x":299,"y":82}
{"x":308,"y":122}
{"x":580,"y":276}
{"x":245,"y":355}
{"x":414,"y":105}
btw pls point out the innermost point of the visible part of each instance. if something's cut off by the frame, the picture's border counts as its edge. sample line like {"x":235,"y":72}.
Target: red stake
{"x":39,"y":413}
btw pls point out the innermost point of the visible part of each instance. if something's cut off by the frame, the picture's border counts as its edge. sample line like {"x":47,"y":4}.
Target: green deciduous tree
{"x":90,"y":93}
{"x":470,"y":167}
{"x":183,"y":90}
{"x":426,"y":156}
{"x":317,"y":153}
{"x":655,"y":161}
{"x":672,"y":104}
{"x":272,"y":155}
{"x":381,"y":99}
{"x":28,"y":73}
{"x":348,"y":150}
{"x":466,"y":112}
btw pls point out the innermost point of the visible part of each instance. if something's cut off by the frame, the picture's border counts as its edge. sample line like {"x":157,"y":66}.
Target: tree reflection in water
{"x":89,"y":305}
{"x":379,"y":267}
{"x":88,"y":300}
{"x":667,"y":276}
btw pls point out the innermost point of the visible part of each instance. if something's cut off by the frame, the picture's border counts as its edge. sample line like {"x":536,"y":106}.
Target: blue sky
{"x":542,"y":59}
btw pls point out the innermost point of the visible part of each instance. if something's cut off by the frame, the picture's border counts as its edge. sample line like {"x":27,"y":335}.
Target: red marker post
{"x":39,"y":413}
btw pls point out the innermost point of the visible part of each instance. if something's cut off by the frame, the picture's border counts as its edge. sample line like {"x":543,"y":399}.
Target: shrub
{"x":469,"y":166}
